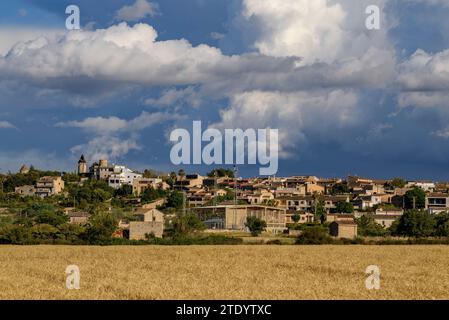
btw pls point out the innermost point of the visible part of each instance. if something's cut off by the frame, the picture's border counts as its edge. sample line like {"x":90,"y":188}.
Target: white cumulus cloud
{"x":108,"y":139}
{"x":6,"y":125}
{"x":137,"y":11}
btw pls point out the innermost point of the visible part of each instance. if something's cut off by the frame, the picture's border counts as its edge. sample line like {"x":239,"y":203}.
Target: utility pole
{"x":235,"y":196}
{"x":214,"y":202}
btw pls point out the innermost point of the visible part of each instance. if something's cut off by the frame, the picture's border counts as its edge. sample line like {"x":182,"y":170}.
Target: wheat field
{"x":224,"y":272}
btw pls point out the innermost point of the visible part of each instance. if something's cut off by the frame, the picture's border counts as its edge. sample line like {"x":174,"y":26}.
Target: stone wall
{"x":138,"y":229}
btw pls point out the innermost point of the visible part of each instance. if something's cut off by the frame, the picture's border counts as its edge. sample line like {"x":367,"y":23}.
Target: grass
{"x":224,"y":272}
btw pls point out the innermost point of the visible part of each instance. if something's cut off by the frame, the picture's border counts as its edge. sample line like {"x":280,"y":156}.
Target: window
{"x":437,"y":201}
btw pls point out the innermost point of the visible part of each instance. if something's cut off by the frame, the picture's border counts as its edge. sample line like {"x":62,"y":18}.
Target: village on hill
{"x":109,"y":202}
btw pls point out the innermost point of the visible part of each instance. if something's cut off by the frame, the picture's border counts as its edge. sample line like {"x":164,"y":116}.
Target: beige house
{"x":437,"y":202}
{"x":296,"y":203}
{"x":372,"y":189}
{"x":219,"y":192}
{"x":139,"y":229}
{"x":78,"y":217}
{"x":25,"y":191}
{"x":150,"y":221}
{"x":260,"y":197}
{"x":49,"y":186}
{"x":154,"y":215}
{"x":313,"y":187}
{"x":141,"y":184}
{"x":365,"y":202}
{"x":343,"y":229}
{"x":385,"y":220}
{"x":339,"y":217}
{"x":189,"y":181}
{"x":307,"y":203}
{"x":304,"y":217}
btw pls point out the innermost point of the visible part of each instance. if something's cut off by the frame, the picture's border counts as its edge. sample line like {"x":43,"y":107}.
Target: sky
{"x":345,"y":99}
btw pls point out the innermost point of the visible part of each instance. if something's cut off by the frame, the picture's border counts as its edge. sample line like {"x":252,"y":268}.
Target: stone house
{"x":49,"y":186}
{"x":25,"y":191}
{"x":150,"y":221}
{"x":343,"y":229}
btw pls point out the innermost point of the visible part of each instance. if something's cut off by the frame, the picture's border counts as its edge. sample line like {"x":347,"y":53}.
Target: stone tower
{"x":24,"y":169}
{"x":82,"y":166}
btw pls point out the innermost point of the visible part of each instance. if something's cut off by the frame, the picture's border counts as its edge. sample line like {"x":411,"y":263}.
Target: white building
{"x":365,"y":202}
{"x":122,"y":176}
{"x":427,"y":186}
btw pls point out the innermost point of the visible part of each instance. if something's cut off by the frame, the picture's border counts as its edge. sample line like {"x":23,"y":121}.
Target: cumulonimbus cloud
{"x":301,"y":62}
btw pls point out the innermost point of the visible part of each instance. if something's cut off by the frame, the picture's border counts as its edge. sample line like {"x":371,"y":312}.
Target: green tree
{"x":255,"y":225}
{"x":442,"y":224}
{"x":415,"y":223}
{"x":320,"y":212}
{"x":316,"y":234}
{"x":101,"y":227}
{"x":150,"y":194}
{"x":125,"y":190}
{"x":221,"y":172}
{"x":344,"y":207}
{"x":415,"y":199}
{"x":45,"y":213}
{"x":70,"y":177}
{"x":44,"y":232}
{"x":185,"y":224}
{"x":397,"y":183}
{"x":367,"y":226}
{"x":172,"y":178}
{"x":175,"y":200}
{"x":15,"y":234}
{"x":90,"y":193}
{"x":149,"y":173}
{"x":296,"y":217}
{"x":340,"y":188}
{"x":72,"y":232}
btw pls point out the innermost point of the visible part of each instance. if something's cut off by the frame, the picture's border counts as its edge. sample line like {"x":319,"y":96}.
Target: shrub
{"x":314,"y":235}
{"x":275,"y":242}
